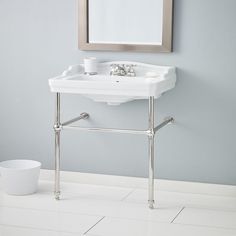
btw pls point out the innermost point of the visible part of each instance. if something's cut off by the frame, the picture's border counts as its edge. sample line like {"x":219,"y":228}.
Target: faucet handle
{"x":130,"y":70}
{"x":114,"y":68}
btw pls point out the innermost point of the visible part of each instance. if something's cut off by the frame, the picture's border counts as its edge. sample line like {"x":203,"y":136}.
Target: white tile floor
{"x":111,"y":211}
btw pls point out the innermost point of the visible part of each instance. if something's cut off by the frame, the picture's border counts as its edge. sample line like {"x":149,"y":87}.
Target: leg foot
{"x":151,"y":204}
{"x":57,"y":195}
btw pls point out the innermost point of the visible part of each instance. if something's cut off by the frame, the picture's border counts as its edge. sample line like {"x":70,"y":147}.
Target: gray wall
{"x":38,"y":40}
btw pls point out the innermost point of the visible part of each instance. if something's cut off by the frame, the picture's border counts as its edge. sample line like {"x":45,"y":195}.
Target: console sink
{"x":150,"y":80}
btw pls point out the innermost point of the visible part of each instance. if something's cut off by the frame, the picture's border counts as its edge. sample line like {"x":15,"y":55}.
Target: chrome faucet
{"x":122,"y":70}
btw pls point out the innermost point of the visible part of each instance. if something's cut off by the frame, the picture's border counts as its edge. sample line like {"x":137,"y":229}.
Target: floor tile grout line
{"x":208,"y":208}
{"x":138,"y":219}
{"x":126,"y":196}
{"x":199,"y":207}
{"x":37,"y":228}
{"x":204,"y":207}
{"x":207,"y":226}
{"x":93,"y":225}
{"x":49,"y":211}
{"x":177,"y":215}
{"x":143,"y":188}
{"x":75,"y":233}
{"x":82,"y":214}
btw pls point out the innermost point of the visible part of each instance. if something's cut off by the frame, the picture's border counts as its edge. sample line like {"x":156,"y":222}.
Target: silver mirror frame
{"x":166,"y":33}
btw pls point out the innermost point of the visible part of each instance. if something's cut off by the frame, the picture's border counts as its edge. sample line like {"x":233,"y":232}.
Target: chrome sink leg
{"x":151,"y":135}
{"x":57,"y":130}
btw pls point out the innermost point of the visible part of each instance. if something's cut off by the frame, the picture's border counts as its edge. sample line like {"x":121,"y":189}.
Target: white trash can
{"x":20,"y":177}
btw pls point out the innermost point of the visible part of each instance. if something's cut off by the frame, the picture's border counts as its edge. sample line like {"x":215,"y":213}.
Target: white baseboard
{"x":134,"y":182}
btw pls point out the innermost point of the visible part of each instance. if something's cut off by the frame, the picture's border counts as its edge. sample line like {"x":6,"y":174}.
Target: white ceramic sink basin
{"x":150,"y":80}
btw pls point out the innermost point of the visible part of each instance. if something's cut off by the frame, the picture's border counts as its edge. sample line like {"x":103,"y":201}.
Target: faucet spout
{"x":122,"y":70}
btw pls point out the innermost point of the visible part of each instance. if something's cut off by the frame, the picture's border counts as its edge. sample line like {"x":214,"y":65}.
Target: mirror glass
{"x":125,"y":21}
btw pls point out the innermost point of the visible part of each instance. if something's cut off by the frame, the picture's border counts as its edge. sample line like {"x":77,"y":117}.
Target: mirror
{"x":125,"y":25}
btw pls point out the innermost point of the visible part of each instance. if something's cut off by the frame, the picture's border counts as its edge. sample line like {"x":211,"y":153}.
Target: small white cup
{"x":90,"y":65}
